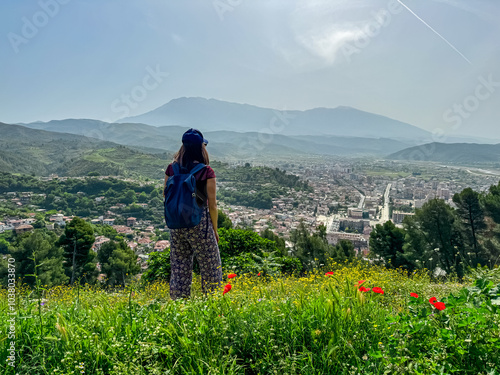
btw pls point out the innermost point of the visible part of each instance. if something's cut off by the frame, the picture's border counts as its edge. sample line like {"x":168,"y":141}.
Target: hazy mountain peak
{"x":214,"y":114}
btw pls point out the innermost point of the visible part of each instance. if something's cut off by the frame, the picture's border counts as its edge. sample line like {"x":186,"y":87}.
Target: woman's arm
{"x":165,"y":185}
{"x":212,"y":204}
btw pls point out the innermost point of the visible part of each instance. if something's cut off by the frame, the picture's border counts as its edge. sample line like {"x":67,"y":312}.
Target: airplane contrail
{"x":435,"y":32}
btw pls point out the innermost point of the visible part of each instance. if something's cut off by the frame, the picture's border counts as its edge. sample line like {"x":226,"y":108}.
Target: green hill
{"x":40,"y":152}
{"x":458,"y":153}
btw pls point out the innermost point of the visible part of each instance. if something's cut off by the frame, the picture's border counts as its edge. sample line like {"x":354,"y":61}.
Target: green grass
{"x":285,"y":325}
{"x":386,"y":173}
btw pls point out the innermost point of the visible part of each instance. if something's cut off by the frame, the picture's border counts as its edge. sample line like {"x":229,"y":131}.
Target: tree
{"x":223,"y":221}
{"x":77,"y":241}
{"x":387,"y":241}
{"x":4,"y":246}
{"x":233,"y":242}
{"x":143,"y":198}
{"x":344,"y":250}
{"x":129,"y":197}
{"x":321,"y":232}
{"x":158,"y":266}
{"x":311,"y":249}
{"x":471,"y":215}
{"x":492,"y":203}
{"x":118,"y":262}
{"x":49,"y":259}
{"x":280,"y":242}
{"x":437,"y":225}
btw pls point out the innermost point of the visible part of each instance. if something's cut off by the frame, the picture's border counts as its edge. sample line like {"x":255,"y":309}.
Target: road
{"x":385,"y":210}
{"x":361,"y":204}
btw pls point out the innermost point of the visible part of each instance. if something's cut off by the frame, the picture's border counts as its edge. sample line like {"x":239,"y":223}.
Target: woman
{"x":201,"y":240}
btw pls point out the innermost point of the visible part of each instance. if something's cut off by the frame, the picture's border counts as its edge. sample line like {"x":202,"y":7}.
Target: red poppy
{"x":378,"y":290}
{"x":360,"y":282}
{"x":258,"y":274}
{"x":329,"y":274}
{"x":440,"y":306}
{"x":414,"y":295}
{"x":227,"y":288}
{"x":231,"y":275}
{"x":363,"y":289}
{"x":433,"y":300}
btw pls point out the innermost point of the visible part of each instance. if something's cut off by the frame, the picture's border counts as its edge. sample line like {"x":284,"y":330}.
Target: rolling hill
{"x":212,"y":114}
{"x":224,"y":144}
{"x":40,"y":152}
{"x":458,"y":153}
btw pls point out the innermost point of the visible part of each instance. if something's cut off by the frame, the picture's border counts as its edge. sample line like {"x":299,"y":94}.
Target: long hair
{"x":189,"y":153}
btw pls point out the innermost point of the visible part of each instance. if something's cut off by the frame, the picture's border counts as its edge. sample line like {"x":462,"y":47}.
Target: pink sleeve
{"x":210,"y":172}
{"x":205,"y":174}
{"x":170,"y":171}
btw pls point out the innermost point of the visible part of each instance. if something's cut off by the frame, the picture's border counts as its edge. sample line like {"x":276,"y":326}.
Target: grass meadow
{"x":317,"y":324}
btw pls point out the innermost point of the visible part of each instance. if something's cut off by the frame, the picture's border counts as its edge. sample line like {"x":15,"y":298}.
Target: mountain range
{"x":213,"y":115}
{"x":235,"y":132}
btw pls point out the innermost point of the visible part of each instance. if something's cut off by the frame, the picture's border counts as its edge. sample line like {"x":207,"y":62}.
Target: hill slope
{"x":225,"y":144}
{"x":214,"y":114}
{"x":40,"y":152}
{"x":464,"y":153}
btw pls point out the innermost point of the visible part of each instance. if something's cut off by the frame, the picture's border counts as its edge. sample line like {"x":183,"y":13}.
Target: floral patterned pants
{"x":197,"y":241}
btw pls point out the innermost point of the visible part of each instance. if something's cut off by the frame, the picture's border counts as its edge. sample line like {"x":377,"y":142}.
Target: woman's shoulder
{"x":210,"y":173}
{"x":205,"y":174}
{"x":169,"y":171}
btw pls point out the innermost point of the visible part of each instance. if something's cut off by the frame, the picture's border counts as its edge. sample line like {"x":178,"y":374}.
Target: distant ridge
{"x":213,"y":115}
{"x":226,"y":144}
{"x":464,"y":153}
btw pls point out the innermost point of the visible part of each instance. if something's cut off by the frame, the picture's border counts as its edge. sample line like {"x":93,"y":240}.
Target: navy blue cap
{"x":193,"y":136}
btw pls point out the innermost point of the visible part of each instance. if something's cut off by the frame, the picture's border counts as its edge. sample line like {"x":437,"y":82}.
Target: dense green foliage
{"x":223,"y":221}
{"x":118,"y":262}
{"x":387,"y":241}
{"x":38,"y":248}
{"x":241,"y":251}
{"x":246,"y":186}
{"x":439,"y":236}
{"x":80,"y":261}
{"x":158,"y":267}
{"x":313,"y":249}
{"x":257,"y":186}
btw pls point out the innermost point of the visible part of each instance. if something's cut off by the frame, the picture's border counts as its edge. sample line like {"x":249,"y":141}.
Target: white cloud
{"x":327,"y":42}
{"x":322,"y":28}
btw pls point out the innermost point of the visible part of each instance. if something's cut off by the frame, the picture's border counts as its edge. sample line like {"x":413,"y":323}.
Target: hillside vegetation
{"x":352,"y":320}
{"x":40,"y":153}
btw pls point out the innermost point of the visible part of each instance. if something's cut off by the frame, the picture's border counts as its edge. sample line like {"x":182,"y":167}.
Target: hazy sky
{"x":434,"y":64}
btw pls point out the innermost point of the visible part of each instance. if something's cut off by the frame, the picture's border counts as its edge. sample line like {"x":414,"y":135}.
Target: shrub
{"x":290,"y":265}
{"x":158,"y":266}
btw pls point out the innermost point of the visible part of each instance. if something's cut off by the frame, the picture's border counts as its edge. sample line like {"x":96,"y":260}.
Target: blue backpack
{"x":181,"y":208}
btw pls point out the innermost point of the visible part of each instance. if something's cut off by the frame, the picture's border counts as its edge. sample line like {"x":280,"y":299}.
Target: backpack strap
{"x":176,"y":168}
{"x":198,"y":167}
